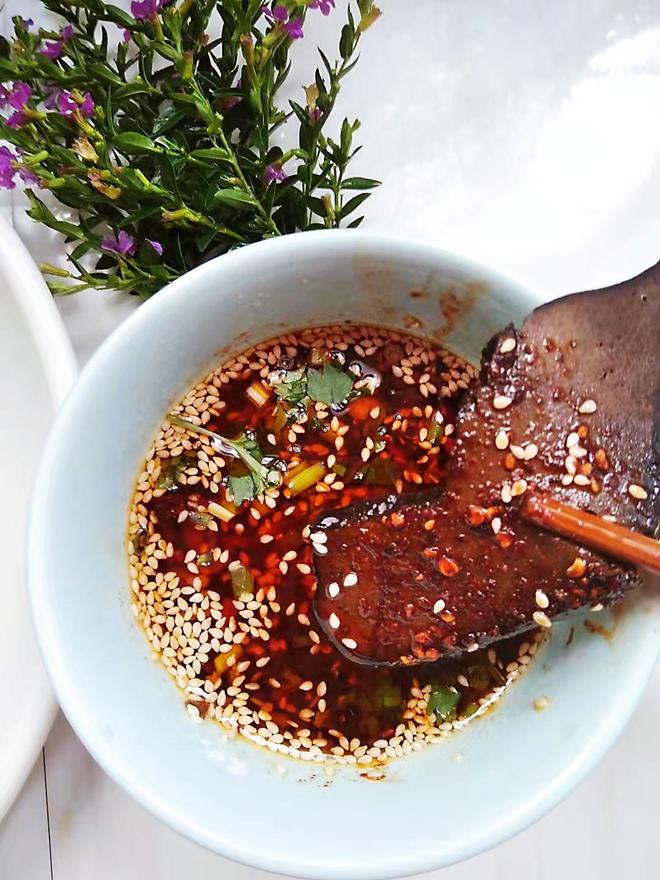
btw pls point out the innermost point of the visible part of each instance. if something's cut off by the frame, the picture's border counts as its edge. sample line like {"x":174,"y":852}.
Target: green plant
{"x":159,"y":136}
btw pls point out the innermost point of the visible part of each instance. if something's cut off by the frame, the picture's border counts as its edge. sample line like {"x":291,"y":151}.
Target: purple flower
{"x":274,"y":172}
{"x":123,"y":244}
{"x":54,"y":50}
{"x":127,"y":36}
{"x":7,"y":170}
{"x":156,"y":245}
{"x":27,"y":175}
{"x":141,"y":9}
{"x":28,"y":23}
{"x":326,"y":6}
{"x":87,"y":107}
{"x":16,"y":120}
{"x":19,"y":95}
{"x":279,"y":13}
{"x":293,"y":27}
{"x":66,"y":105}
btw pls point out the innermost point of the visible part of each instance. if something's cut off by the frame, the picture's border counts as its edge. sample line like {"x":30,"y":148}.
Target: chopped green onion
{"x":258,"y":393}
{"x":200,"y":520}
{"x":479,"y":677}
{"x":469,"y":710}
{"x":442,"y":703}
{"x":303,"y":479}
{"x":223,"y":512}
{"x":241,"y":581}
{"x":221,"y":660}
{"x":390,"y":695}
{"x":435,"y":433}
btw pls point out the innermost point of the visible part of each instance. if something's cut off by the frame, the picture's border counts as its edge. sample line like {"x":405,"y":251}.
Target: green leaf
{"x":211,"y":153}
{"x":134,"y":142}
{"x":244,"y":447}
{"x":102,"y":71}
{"x":359,"y":183}
{"x":331,"y":386}
{"x":167,"y":120}
{"x":442,"y":703}
{"x":204,"y":239}
{"x":352,"y":205}
{"x":293,"y":388}
{"x":242,"y":488}
{"x":133,"y":89}
{"x":120,"y":16}
{"x":234,"y":197}
{"x":346,"y":41}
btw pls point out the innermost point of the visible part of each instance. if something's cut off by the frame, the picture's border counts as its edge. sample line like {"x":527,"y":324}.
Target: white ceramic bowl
{"x":36,"y":370}
{"x":239,"y":800}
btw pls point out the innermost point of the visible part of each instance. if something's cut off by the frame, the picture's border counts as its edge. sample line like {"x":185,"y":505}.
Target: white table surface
{"x":526,"y":133}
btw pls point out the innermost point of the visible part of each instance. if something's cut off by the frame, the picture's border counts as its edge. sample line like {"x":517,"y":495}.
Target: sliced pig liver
{"x":431,"y":581}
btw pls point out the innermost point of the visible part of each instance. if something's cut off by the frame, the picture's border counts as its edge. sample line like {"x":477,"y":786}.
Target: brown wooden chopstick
{"x":592,"y":530}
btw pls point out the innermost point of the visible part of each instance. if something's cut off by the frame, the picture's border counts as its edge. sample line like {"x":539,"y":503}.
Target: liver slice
{"x":434,"y":581}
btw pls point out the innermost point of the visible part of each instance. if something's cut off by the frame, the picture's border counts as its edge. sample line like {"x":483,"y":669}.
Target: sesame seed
{"x":507,"y":345}
{"x":541,"y":703}
{"x":581,"y":480}
{"x":541,"y":599}
{"x":334,"y":621}
{"x":506,"y":493}
{"x":573,"y":439}
{"x":517,"y":451}
{"x":531,"y":451}
{"x":501,"y":401}
{"x":541,"y":619}
{"x":637,"y":492}
{"x":188,"y":624}
{"x":519,"y":487}
{"x":587,"y":407}
{"x":496,"y":524}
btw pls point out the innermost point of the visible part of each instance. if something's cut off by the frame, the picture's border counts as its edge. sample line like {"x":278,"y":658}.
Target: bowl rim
{"x":433,"y":856}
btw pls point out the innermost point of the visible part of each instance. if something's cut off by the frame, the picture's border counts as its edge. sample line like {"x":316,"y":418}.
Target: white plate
{"x":37,"y":368}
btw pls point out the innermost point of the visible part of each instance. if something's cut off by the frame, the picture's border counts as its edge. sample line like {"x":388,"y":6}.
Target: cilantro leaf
{"x":242,"y":488}
{"x":293,"y":388}
{"x":332,"y":386}
{"x":244,"y":447}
